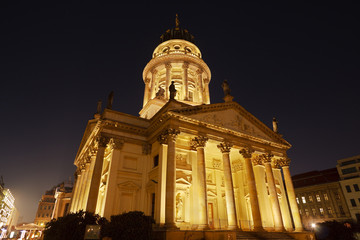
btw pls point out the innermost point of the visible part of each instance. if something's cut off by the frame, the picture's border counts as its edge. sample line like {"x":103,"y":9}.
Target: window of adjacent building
{"x":303,"y":199}
{"x":357,"y":215}
{"x":337,"y":196}
{"x":356,"y":187}
{"x":318,"y":199}
{"x":297,"y":200}
{"x":313,"y":211}
{"x":341,"y":209}
{"x":66,"y":208}
{"x":153,"y":205}
{"x":353,"y":203}
{"x":321,"y":211}
{"x":306,"y":212}
{"x":311,"y":199}
{"x":348,"y":162}
{"x":300,"y":211}
{"x":156,"y":160}
{"x":326,"y":198}
{"x":330,"y":211}
{"x":348,"y":189}
{"x":348,"y":170}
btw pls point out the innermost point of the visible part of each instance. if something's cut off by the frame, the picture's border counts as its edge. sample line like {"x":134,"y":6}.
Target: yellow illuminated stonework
{"x":190,"y":164}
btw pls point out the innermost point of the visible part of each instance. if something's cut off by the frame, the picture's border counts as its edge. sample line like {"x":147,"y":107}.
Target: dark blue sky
{"x":297,"y":62}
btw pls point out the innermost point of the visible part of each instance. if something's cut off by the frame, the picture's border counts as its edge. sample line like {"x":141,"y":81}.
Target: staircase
{"x":262,"y":235}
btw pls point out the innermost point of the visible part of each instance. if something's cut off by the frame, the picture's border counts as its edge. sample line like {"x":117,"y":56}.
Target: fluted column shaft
{"x":169,"y":137}
{"x":96,"y":176}
{"x":168,"y":79}
{"x":147,"y":92}
{"x":278,"y":222}
{"x":291,"y":195}
{"x":74,"y":198}
{"x":199,"y":143}
{"x":229,"y":189}
{"x":186,"y":84}
{"x":254,"y":202}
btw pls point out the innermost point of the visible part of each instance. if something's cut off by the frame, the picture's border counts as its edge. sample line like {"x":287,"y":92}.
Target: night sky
{"x":296,"y":62}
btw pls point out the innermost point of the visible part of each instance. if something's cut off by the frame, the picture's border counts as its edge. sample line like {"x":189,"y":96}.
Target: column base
{"x":279,"y":229}
{"x":203,"y":227}
{"x":233,"y":227}
{"x":170,"y":226}
{"x":299,"y":229}
{"x":258,"y":229}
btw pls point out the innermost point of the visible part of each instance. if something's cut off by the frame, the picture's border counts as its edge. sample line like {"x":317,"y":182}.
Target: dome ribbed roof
{"x":177,"y":33}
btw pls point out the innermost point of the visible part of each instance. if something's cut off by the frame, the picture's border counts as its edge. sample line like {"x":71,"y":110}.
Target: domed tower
{"x":176,"y":59}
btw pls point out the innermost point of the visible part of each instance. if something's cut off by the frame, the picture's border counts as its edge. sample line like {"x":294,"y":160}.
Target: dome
{"x":177,"y":33}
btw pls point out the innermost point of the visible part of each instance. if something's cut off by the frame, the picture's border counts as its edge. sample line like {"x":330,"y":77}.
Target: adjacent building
{"x":320,"y":197}
{"x":45,"y":208}
{"x":188,"y":163}
{"x":63,"y":194}
{"x":349,"y":171}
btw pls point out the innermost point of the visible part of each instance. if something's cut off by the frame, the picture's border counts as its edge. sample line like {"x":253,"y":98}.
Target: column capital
{"x":168,"y":134}
{"x":225,"y":147}
{"x":199,"y":71}
{"x":117,"y":143}
{"x":154,"y":71}
{"x":266,"y":157}
{"x":199,"y":141}
{"x":102,"y":141}
{"x":147,"y":80}
{"x":283,"y":162}
{"x":246,"y":152}
{"x":206,"y":80}
{"x":185,"y":65}
{"x":168,"y":65}
{"x":258,"y":160}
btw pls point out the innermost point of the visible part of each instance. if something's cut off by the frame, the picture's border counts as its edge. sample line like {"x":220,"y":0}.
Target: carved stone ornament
{"x":117,"y":143}
{"x":199,"y":141}
{"x":168,"y":134}
{"x":284,"y":162}
{"x":185,"y":65}
{"x":246,"y":152}
{"x":258,"y":160}
{"x":225,"y":147}
{"x":168,"y":66}
{"x":147,"y":80}
{"x":266,"y":157}
{"x":154,"y":71}
{"x":102,"y":141}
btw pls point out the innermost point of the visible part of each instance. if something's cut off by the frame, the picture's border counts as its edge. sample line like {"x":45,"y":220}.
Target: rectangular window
{"x":341,"y":209}
{"x":191,"y":96}
{"x":353,"y":203}
{"x":318,"y":199}
{"x":330,"y":211}
{"x":357,"y":215}
{"x":321,"y":211}
{"x":348,"y":189}
{"x":303,"y":199}
{"x":156,"y":160}
{"x":356,"y":187}
{"x":348,"y":170}
{"x":300,"y":211}
{"x":348,"y":162}
{"x":311,"y":199}
{"x":326,"y":198}
{"x":153,"y":205}
{"x":306,"y":212}
{"x":337,"y":196}
{"x":313,"y":211}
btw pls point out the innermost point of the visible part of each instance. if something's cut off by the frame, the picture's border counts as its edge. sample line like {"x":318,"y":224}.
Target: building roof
{"x":177,"y":33}
{"x":315,"y":177}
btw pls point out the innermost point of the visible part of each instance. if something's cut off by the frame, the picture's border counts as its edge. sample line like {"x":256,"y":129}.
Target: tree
{"x":129,"y":226}
{"x":72,"y":226}
{"x":333,"y":230}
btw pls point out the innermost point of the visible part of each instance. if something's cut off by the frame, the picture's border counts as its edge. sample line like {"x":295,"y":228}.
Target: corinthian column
{"x":168,"y":80}
{"x":185,"y":81}
{"x":229,"y":189}
{"x":95,"y":178}
{"x":198,"y":144}
{"x":284,"y":163}
{"x":254,"y":202}
{"x":279,"y":225}
{"x":169,"y":135}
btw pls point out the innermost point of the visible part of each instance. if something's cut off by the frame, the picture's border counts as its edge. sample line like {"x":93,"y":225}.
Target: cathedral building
{"x":190,"y":164}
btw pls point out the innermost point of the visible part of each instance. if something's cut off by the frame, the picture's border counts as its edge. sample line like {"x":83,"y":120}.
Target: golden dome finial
{"x":177,"y":22}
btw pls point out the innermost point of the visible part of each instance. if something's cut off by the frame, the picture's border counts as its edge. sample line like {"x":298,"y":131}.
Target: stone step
{"x":262,"y":235}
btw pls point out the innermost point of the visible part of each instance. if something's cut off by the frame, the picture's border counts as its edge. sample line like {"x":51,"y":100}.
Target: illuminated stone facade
{"x":63,"y":194}
{"x":188,"y":163}
{"x":45,"y":208}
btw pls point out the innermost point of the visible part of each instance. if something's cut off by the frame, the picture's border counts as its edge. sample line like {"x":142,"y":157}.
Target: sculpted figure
{"x":110,"y":100}
{"x":275,"y":125}
{"x":172,"y":90}
{"x":160,"y":94}
{"x":226,"y":88}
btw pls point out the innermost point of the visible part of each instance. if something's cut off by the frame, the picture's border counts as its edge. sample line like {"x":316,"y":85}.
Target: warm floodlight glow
{"x":313,"y":225}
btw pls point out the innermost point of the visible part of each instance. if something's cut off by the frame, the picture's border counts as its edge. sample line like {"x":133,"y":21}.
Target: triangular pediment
{"x":233,"y":117}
